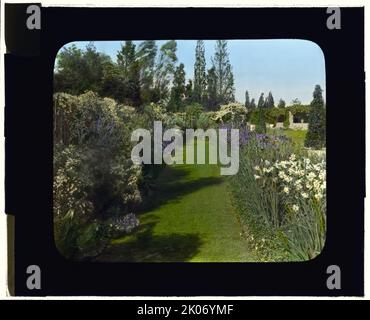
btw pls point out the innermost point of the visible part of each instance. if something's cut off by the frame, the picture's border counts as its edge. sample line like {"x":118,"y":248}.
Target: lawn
{"x":297,"y":136}
{"x":191,"y":218}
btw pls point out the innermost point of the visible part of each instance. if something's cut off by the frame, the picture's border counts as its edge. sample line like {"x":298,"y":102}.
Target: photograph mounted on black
{"x":202,"y":152}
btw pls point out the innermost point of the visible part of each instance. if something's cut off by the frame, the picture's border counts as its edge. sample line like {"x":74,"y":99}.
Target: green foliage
{"x":164,"y":69}
{"x":261,"y":122}
{"x":261,"y":101}
{"x":192,"y":113}
{"x":274,"y":115}
{"x":247,"y":103}
{"x":91,"y":240}
{"x":176,"y":120}
{"x":154,"y":112}
{"x":93,"y":171}
{"x":253,"y":104}
{"x":286,"y":122}
{"x":305,"y":238}
{"x":269,"y":103}
{"x":316,"y":135}
{"x":200,"y":79}
{"x":79,"y":70}
{"x":212,"y":98}
{"x":177,"y":96}
{"x":146,"y":54}
{"x":205,"y":121}
{"x":189,"y":92}
{"x":300,"y":112}
{"x":223,"y":72}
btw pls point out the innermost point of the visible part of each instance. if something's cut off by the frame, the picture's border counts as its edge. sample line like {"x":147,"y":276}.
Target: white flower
{"x":323,"y":185}
{"x":286,"y":190}
{"x":295,"y":208}
{"x":317,"y":185}
{"x":267,"y":163}
{"x":298,"y":187}
{"x":318,"y":196}
{"x":268,"y":170}
{"x":311,"y":176}
{"x":256,"y":177}
{"x":292,"y":157}
{"x":283,"y":164}
{"x":322,"y":175}
{"x":288,"y":179}
{"x":281,"y":174}
{"x":304,"y":195}
{"x":257,"y":168}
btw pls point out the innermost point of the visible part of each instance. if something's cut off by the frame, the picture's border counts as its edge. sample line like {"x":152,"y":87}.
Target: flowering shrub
{"x":93,"y":170}
{"x":234,"y":113}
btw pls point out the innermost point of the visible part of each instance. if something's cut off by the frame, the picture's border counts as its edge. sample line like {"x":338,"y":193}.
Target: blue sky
{"x":288,"y":68}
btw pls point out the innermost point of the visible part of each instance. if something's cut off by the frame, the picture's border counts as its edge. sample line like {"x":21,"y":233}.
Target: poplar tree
{"x":247,"y":102}
{"x":178,"y":89}
{"x":269,"y":103}
{"x":261,"y":101}
{"x":200,"y":78}
{"x":253,"y":104}
{"x":316,"y":134}
{"x":224,"y":76}
{"x":211,"y":89}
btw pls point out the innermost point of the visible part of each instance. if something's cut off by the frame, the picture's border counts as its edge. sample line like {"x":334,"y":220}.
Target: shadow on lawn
{"x":144,"y":245}
{"x":173,"y":184}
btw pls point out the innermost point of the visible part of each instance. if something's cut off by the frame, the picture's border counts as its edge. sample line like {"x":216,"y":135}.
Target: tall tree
{"x":134,"y":85}
{"x":189,"y":91}
{"x":316,"y":134}
{"x":281,"y":103}
{"x":78,"y":70}
{"x":165,"y":68}
{"x":253,"y":104}
{"x":112,"y":84}
{"x":126,"y":57}
{"x":200,"y":78}
{"x":146,"y":54}
{"x":247,"y":101}
{"x":229,"y":95}
{"x":212,"y":98}
{"x":223,"y":71}
{"x":269,"y":103}
{"x":261,"y":101}
{"x":178,"y":89}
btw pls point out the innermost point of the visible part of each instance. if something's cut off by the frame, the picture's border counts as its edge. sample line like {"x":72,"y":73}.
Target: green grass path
{"x":191,"y":218}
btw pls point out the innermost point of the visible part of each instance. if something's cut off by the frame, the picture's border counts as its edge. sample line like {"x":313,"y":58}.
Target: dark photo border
{"x":29,"y":66}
